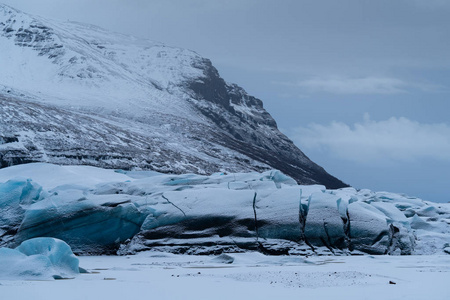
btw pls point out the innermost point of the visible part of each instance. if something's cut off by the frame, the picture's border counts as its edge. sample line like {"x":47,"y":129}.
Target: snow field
{"x":250,"y":276}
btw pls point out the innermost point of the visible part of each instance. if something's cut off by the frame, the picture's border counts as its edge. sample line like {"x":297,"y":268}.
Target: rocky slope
{"x":72,"y":93}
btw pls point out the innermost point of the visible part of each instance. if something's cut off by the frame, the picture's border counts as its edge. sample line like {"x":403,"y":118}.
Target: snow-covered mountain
{"x":72,"y":93}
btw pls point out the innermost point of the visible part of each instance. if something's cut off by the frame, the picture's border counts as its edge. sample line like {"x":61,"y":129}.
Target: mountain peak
{"x":9,"y":13}
{"x":8,"y":9}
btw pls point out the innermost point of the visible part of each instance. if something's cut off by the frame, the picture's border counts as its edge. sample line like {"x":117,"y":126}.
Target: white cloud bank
{"x":395,"y":139}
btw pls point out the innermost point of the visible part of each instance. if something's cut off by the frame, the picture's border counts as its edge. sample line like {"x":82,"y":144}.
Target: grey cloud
{"x":368,"y":85}
{"x":373,"y":142}
{"x":365,"y":85}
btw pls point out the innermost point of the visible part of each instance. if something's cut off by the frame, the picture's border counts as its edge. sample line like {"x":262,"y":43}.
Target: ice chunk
{"x":200,"y":217}
{"x":50,"y":176}
{"x":278,"y":178}
{"x":346,"y":196}
{"x":185,"y":179}
{"x":223,"y":259}
{"x":308,"y":190}
{"x":273,"y":203}
{"x":205,"y":212}
{"x":39,"y":259}
{"x":391,"y":212}
{"x":402,"y":238}
{"x":139,"y":174}
{"x":428,"y":211}
{"x":369,"y":231}
{"x":432,"y":242}
{"x":324,"y":225}
{"x":161,"y":212}
{"x":89,"y":223}
{"x":57,"y":251}
{"x":19,"y":191}
{"x":419,"y":223}
{"x":16,"y":266}
{"x":15,"y":196}
{"x":446,"y":248}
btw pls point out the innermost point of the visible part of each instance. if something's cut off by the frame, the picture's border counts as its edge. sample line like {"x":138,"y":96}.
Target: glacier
{"x":39,"y":259}
{"x":104,"y":211}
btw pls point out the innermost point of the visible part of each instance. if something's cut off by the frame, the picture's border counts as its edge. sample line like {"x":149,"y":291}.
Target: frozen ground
{"x":250,"y":276}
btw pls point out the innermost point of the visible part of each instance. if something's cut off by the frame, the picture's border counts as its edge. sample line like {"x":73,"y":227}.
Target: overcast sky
{"x":362,"y":87}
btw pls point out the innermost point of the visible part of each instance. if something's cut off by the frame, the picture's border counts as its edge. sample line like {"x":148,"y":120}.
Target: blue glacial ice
{"x":102,"y":211}
{"x":90,"y":223}
{"x":16,"y":196}
{"x":39,"y":259}
{"x":324,"y":225}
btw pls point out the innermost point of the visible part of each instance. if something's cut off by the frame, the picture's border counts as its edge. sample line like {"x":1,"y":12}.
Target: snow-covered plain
{"x":249,"y":276}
